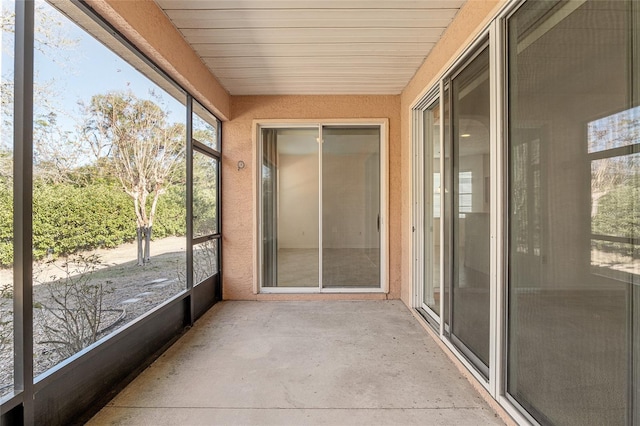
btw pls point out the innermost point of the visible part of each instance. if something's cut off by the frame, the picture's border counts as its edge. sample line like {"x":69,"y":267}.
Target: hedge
{"x":68,"y":218}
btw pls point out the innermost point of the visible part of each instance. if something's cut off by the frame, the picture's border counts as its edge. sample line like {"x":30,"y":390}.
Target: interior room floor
{"x":340,"y":268}
{"x":302,"y":363}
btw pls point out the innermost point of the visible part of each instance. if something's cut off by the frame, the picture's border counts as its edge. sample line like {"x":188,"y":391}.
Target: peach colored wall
{"x":140,"y":20}
{"x":149,"y":29}
{"x":237,"y":185}
{"x":470,"y":20}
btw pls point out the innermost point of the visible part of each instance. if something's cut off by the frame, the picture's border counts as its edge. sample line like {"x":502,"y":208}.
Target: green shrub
{"x":6,"y":225}
{"x":618,"y":215}
{"x":171,"y":213}
{"x":68,"y":218}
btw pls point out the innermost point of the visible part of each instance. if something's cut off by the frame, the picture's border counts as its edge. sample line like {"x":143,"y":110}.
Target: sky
{"x":75,"y":73}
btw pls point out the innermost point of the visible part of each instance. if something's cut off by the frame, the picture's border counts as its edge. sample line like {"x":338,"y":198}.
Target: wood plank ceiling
{"x":260,"y":47}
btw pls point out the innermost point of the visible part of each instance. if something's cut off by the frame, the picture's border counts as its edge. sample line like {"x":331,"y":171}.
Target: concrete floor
{"x":301,"y":363}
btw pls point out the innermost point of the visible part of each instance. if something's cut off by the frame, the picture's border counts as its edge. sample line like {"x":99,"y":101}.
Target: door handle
{"x":378,"y":222}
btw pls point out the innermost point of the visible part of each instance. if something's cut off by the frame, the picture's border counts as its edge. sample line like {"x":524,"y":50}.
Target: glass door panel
{"x":470,"y":214}
{"x":290,"y":205}
{"x":351,"y":206}
{"x":432,"y":210}
{"x":574,"y":211}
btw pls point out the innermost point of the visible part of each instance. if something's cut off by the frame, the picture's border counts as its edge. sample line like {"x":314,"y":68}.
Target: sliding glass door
{"x":290,"y":207}
{"x":469,"y":249}
{"x":321,"y":204}
{"x":351,"y":206}
{"x":574,"y":211}
{"x":453,"y":216}
{"x":432,"y":209}
{"x":539,"y":180}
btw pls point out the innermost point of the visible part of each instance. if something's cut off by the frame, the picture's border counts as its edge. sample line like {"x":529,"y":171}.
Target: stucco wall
{"x":140,"y":20}
{"x":469,"y":21}
{"x":238,"y":188}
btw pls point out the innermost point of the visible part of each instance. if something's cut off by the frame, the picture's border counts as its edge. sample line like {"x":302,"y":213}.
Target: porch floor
{"x":320,"y":362}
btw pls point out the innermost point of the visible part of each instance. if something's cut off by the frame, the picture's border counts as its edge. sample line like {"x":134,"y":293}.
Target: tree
{"x":141,"y":147}
{"x":52,"y":40}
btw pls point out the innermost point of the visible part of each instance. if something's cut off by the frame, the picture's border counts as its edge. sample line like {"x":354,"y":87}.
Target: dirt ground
{"x":109,"y":257}
{"x":126,"y":290}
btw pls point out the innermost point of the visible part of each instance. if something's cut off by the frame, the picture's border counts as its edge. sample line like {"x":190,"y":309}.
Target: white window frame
{"x":418,"y":208}
{"x":258,"y":125}
{"x":495,"y":30}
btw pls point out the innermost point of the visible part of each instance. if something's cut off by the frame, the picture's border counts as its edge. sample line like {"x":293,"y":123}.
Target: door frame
{"x":420,"y":168}
{"x":493,"y":36}
{"x":383,"y":124}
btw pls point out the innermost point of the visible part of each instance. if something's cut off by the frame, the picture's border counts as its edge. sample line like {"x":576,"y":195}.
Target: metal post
{"x":189,"y":218}
{"x":219,"y":209}
{"x":22,"y":206}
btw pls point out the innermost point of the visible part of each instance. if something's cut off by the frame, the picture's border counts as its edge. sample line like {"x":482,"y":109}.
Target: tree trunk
{"x":147,"y":245}
{"x":139,"y":233}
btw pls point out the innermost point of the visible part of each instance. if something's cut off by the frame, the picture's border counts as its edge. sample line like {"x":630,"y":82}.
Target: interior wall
{"x":470,"y":20}
{"x":349,"y":208}
{"x":478,"y":165}
{"x":298,"y":201}
{"x":349,"y":213}
{"x":238,"y":188}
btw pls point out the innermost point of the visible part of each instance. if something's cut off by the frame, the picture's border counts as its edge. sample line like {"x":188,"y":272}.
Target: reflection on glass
{"x":432,"y":208}
{"x":205,"y":190}
{"x":614,"y":189}
{"x":614,"y":131}
{"x":205,"y":126}
{"x":574,"y":209}
{"x":351,"y":207}
{"x":615,"y":216}
{"x":205,"y":260}
{"x":6,"y":199}
{"x":290,"y":224}
{"x":109,"y":192}
{"x":470,"y":218}
{"x":525,"y":182}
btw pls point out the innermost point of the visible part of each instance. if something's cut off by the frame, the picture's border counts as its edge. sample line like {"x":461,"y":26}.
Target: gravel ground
{"x":128,"y":291}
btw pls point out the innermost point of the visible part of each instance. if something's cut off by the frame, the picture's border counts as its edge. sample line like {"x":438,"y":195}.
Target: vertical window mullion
{"x":23,"y":196}
{"x":189,"y":207}
{"x":320,"y":208}
{"x":442,"y":143}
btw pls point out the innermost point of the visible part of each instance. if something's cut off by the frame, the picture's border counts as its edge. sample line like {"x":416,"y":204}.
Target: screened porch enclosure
{"x":390,"y":199}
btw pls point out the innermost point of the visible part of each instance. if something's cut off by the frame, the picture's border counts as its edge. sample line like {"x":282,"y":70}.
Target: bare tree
{"x":142,"y":148}
{"x":53,"y":158}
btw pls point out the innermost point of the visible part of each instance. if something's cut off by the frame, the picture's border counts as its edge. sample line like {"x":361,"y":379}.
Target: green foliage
{"x":69,"y":218}
{"x":205,"y":184}
{"x":618,"y":212}
{"x":171,"y":216}
{"x":139,"y":155}
{"x":618,"y":215}
{"x":6,"y":225}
